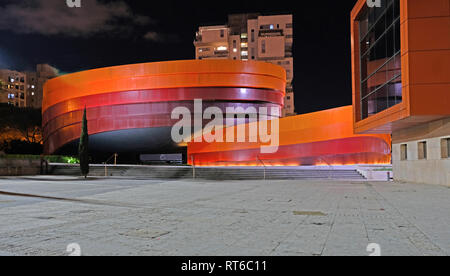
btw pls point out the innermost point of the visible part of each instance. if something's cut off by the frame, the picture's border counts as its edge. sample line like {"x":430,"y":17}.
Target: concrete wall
{"x":16,"y":167}
{"x":435,"y":169}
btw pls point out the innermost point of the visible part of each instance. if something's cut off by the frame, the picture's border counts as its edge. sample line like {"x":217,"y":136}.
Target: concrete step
{"x":213,"y":173}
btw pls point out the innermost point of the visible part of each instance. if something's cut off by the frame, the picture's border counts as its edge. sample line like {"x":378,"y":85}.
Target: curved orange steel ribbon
{"x":328,"y":127}
{"x":160,"y":75}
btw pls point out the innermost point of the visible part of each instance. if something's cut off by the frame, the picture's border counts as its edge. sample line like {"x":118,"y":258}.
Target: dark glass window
{"x":380,"y":57}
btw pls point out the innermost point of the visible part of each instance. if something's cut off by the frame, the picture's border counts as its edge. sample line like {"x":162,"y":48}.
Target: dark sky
{"x":107,"y":33}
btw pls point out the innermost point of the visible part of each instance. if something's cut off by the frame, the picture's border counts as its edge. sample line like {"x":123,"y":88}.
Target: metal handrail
{"x":193,"y":166}
{"x":115,"y":155}
{"x":329,"y":165}
{"x":264,"y":165}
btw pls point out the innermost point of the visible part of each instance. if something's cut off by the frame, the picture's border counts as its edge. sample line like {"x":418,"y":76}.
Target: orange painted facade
{"x":318,"y":138}
{"x":425,"y":65}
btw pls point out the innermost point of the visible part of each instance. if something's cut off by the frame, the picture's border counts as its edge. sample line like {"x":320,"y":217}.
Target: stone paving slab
{"x":273,"y":218}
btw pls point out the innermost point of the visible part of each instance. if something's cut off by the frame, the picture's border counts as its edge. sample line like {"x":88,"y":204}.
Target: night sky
{"x":108,"y":33}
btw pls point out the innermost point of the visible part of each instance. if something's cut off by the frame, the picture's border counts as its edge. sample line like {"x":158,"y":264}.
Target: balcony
{"x":266,"y":33}
{"x":221,"y":53}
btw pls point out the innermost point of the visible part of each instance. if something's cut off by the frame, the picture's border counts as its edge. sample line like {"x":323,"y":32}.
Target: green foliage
{"x":83,"y":149}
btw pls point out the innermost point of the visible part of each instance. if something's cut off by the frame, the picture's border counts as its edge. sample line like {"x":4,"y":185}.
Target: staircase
{"x":211,"y":173}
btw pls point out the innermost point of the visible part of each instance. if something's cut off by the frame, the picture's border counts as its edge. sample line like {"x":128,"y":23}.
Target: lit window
{"x":32,"y":93}
{"x":222,"y":48}
{"x":271,"y":27}
{"x":244,"y":53}
{"x":235,"y":50}
{"x":244,"y":45}
{"x":244,"y":35}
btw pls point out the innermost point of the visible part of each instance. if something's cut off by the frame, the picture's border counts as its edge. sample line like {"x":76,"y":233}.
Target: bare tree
{"x":25,"y":120}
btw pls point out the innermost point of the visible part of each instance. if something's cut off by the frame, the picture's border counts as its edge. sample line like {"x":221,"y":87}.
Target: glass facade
{"x":380,"y":57}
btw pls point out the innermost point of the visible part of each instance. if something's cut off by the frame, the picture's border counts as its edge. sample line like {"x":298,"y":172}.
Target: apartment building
{"x":252,"y":37}
{"x":13,"y":91}
{"x":25,"y":89}
{"x":36,"y":81}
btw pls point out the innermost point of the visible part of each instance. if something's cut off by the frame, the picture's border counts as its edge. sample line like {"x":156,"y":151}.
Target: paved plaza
{"x":123,"y":216}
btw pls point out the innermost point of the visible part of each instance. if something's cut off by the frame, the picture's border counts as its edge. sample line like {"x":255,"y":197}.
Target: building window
{"x":423,"y":151}
{"x":445,"y":148}
{"x":253,"y":36}
{"x":263,"y":46}
{"x":380,"y":58}
{"x":222,"y":33}
{"x":404,"y":152}
{"x":204,"y":50}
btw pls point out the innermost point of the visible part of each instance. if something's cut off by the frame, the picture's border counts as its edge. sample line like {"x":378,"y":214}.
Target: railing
{"x":264,"y":165}
{"x":193,"y":166}
{"x":329,"y":165}
{"x":115,"y":155}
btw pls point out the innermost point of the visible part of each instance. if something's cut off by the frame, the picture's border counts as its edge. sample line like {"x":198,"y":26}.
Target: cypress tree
{"x":83,"y":149}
